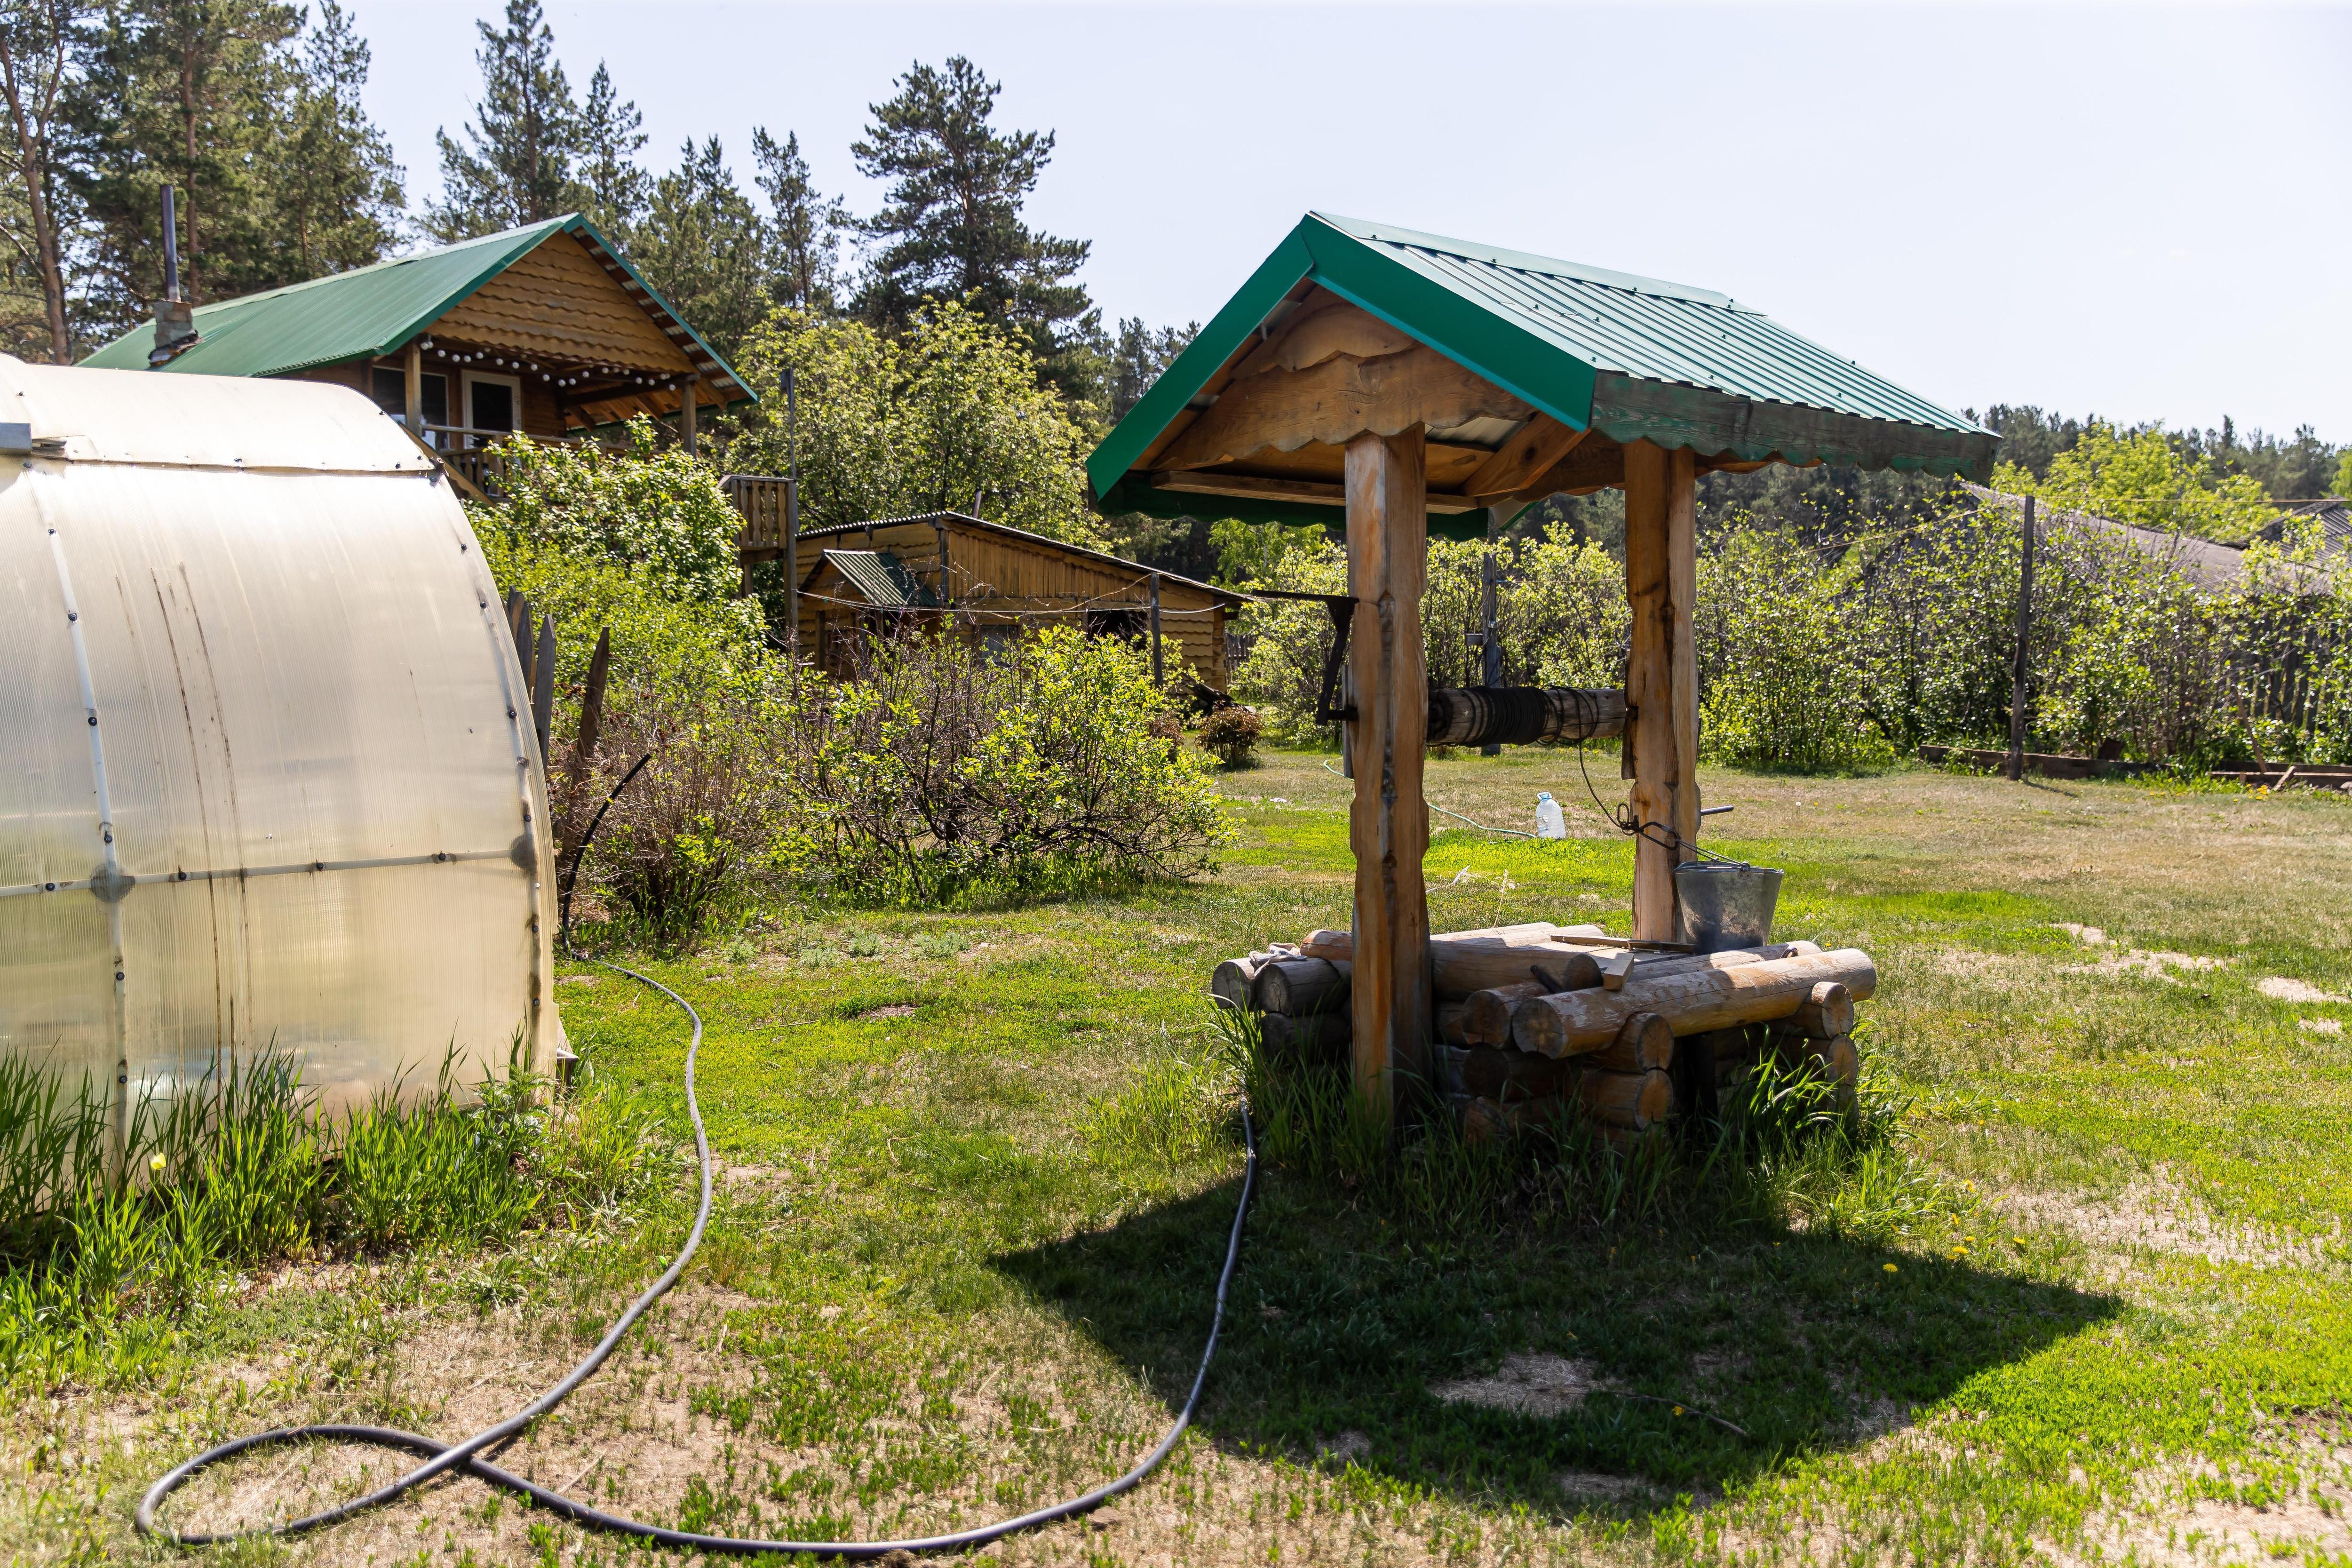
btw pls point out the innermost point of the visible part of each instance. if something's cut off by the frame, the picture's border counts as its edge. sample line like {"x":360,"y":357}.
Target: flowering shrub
{"x":660,"y":515}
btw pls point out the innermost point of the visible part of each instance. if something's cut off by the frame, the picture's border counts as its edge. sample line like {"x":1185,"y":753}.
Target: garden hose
{"x":466,"y":1456}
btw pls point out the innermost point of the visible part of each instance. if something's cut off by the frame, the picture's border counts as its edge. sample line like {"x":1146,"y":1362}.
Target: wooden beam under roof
{"x":1337,"y":400}
{"x":1246,"y":486}
{"x":1595,"y":463}
{"x":1277,"y":317}
{"x":1540,"y":443}
{"x":1448,"y":465}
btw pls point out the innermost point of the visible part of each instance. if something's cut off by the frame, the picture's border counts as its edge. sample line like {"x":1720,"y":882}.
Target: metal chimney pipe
{"x":175,"y":319}
{"x":170,"y":244}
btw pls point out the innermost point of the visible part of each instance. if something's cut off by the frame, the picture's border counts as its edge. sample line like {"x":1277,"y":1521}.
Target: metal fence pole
{"x":791,"y":516}
{"x":2024,"y":636}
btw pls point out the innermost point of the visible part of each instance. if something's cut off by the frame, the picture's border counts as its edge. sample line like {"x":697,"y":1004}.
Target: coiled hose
{"x":466,"y":1456}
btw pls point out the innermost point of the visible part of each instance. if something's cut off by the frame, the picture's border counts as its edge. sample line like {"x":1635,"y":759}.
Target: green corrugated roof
{"x":881,"y":578}
{"x":1637,"y":358}
{"x":367,"y":311}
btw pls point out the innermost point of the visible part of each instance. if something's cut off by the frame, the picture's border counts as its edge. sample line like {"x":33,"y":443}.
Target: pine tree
{"x":515,"y":165}
{"x":612,"y":189}
{"x":37,"y":41}
{"x":951,"y":225}
{"x":1141,"y":357}
{"x":188,"y":93}
{"x":705,"y":246}
{"x":807,"y":243}
{"x":336,"y":189}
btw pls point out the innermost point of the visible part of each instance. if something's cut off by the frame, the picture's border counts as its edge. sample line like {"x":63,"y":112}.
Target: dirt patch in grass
{"x":2156,"y":1214}
{"x":1524,"y":1385}
{"x":2147,"y":966}
{"x":2283,"y":988}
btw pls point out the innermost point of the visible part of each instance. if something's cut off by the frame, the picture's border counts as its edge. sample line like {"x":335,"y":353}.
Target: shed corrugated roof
{"x":965,"y":520}
{"x":1636,"y":358}
{"x":881,"y":578}
{"x":371,"y":310}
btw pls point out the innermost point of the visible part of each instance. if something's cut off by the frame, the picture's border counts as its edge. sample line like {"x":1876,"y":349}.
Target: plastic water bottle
{"x":1550,"y":821}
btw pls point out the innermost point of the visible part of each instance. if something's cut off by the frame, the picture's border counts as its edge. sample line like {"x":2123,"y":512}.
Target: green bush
{"x":935,"y":776}
{"x":1782,"y":682}
{"x":657,"y":514}
{"x":694,"y":684}
{"x":955,"y":412}
{"x":1559,"y":608}
{"x":1232,"y":733}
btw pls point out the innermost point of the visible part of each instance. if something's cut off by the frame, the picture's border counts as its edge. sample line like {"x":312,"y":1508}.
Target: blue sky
{"x":2141,"y":211}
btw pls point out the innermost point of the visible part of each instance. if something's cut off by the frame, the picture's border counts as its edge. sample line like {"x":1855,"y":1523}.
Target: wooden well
{"x":1387,"y":384}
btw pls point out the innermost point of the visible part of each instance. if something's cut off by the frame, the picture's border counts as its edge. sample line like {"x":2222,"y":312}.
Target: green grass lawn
{"x":977,"y":1170}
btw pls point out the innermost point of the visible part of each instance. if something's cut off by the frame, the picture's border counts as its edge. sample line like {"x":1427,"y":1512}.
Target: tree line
{"x":252,"y":110}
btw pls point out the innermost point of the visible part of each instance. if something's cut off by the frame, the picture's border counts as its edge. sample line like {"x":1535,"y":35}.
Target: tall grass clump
{"x":105,"y":1256}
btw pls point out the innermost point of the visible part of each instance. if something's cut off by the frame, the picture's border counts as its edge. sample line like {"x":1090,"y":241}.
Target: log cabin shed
{"x":989,"y":579}
{"x":544,"y":329}
{"x":1390,"y":383}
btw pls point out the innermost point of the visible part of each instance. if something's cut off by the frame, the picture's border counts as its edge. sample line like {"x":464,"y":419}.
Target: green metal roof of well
{"x":1637,"y":358}
{"x":364,"y":312}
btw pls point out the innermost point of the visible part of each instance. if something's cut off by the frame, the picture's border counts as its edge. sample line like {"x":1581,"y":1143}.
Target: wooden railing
{"x":765,"y":501}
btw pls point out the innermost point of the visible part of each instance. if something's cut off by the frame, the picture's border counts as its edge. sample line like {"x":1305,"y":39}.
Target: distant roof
{"x":2334,"y":517}
{"x":881,"y":578}
{"x":371,"y":310}
{"x":1633,"y":357}
{"x":965,"y":520}
{"x":2212,"y":566}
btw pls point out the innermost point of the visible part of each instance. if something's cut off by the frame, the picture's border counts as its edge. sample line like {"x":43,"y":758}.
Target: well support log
{"x":1388,"y":826}
{"x":1661,"y":673}
{"x":1571,"y":1023}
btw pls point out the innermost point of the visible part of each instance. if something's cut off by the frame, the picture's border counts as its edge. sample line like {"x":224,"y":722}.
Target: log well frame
{"x":1390,"y":384}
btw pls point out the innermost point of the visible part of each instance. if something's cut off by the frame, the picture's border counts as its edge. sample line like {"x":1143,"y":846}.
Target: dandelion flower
{"x":1892,"y":1269}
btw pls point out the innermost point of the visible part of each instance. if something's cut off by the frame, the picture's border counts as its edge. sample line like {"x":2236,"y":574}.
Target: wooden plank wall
{"x":556,"y":301}
{"x":986,"y":567}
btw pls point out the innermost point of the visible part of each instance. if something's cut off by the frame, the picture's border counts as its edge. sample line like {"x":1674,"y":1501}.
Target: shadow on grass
{"x":1339,"y":1324}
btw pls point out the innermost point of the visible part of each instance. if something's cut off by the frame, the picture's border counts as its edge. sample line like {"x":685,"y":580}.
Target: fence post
{"x":2024,"y":634}
{"x":792,"y":521}
{"x":1159,"y":674}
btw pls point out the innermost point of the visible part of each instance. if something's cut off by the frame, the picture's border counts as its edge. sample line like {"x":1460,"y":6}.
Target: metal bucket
{"x":1721,"y":904}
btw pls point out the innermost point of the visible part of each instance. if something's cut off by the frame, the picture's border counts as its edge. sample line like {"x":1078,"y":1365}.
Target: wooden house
{"x":985,"y":579}
{"x":545,"y":330}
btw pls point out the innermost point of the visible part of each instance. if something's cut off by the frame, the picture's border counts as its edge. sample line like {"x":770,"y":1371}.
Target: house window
{"x":390,"y":390}
{"x":493,"y":402}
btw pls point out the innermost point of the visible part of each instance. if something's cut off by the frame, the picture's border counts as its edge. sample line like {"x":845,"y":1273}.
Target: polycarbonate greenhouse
{"x":270,"y":781}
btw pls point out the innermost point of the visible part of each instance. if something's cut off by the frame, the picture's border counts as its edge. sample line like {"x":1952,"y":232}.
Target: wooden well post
{"x":1661,"y":674}
{"x":1388,"y":825}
